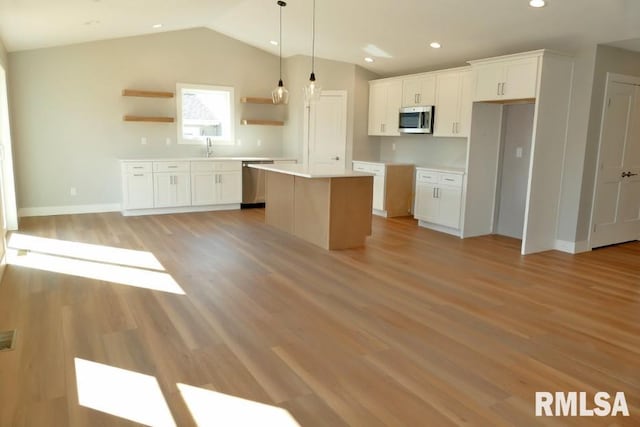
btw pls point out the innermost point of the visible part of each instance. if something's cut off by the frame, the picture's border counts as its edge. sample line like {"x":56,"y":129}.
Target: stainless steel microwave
{"x":416,"y":119}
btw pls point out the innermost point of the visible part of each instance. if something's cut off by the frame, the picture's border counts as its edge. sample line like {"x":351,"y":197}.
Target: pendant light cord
{"x":313,"y":39}
{"x":280,"y":40}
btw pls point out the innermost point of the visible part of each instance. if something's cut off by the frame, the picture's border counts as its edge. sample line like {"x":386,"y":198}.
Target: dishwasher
{"x":253,"y":184}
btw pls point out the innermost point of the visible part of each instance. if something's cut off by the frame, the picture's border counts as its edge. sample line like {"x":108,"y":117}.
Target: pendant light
{"x":280,"y":95}
{"x":312,"y":89}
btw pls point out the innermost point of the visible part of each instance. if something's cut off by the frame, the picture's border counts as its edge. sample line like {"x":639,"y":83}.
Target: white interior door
{"x":616,"y":206}
{"x":326,"y":136}
{"x":10,"y":209}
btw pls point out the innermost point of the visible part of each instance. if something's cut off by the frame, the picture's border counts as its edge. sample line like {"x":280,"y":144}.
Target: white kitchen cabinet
{"x":392,"y":187}
{"x":453,"y":104}
{"x":171,"y":184}
{"x":137,"y":185}
{"x":506,"y":78}
{"x":215,"y":182}
{"x":438,"y":199}
{"x":419,"y":90}
{"x":385,"y":98}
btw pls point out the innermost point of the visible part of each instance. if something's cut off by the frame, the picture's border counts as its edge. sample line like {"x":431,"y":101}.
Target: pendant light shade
{"x":280,"y":95}
{"x":312,"y":89}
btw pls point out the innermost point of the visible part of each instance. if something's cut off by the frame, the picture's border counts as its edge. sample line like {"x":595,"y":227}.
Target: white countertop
{"x":192,"y":159}
{"x":305,"y":172}
{"x":374,"y":162}
{"x":440,"y":168}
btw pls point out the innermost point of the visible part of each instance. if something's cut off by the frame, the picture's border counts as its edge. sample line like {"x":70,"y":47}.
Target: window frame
{"x":230,"y":140}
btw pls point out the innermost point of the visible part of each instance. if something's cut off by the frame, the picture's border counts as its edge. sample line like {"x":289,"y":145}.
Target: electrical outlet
{"x":143,"y":140}
{"x":168,"y":141}
{"x":259,"y":142}
{"x":73,"y":191}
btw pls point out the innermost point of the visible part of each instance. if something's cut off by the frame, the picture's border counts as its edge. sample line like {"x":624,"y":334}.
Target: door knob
{"x":335,"y":158}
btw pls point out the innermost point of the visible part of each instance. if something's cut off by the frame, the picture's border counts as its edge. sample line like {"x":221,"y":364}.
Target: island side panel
{"x":311,"y":210}
{"x":399,"y":190}
{"x":350,"y":212}
{"x":279,"y":196}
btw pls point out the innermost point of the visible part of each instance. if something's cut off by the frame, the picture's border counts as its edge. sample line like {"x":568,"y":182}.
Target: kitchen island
{"x":327,"y":207}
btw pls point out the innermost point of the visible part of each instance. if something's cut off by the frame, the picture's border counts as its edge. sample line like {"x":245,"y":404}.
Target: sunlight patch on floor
{"x":85,"y":251}
{"x":125,"y":394}
{"x":210,"y":408}
{"x":130,"y":276}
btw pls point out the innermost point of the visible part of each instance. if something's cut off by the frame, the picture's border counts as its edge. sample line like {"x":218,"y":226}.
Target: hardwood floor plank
{"x":416,"y":328}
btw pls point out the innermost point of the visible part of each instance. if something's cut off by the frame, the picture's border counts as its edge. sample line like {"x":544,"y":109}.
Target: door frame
{"x":611,"y":78}
{"x":307,"y":124}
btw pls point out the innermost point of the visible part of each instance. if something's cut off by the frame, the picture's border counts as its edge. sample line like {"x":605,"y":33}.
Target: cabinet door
{"x":447,"y":104}
{"x":203,"y":188}
{"x":377,"y":108}
{"x":410,"y":92}
{"x":229,"y":187}
{"x":465,"y":104}
{"x":394,"y":100}
{"x":427,"y":206}
{"x":521,"y":78}
{"x":182,"y":189}
{"x":450,"y":203}
{"x":164,"y":192}
{"x":419,"y":90}
{"x":378,"y":192}
{"x":488,"y":77}
{"x":139,"y":191}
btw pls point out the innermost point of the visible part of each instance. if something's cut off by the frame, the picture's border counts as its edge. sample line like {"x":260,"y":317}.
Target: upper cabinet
{"x":419,"y":90}
{"x":506,"y":78}
{"x":385,"y":97}
{"x":453,"y":104}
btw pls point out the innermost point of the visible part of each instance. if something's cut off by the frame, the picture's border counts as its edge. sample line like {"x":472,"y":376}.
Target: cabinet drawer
{"x":138,"y":167}
{"x":429,"y":177}
{"x":171,"y":166}
{"x":215,"y":166}
{"x":360,"y":167}
{"x":377,"y":169}
{"x":450,"y":179}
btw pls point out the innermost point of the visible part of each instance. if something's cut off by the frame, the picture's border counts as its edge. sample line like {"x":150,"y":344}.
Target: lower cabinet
{"x":392,"y":187}
{"x":180,"y":184}
{"x":438,"y":198}
{"x":214,"y":182}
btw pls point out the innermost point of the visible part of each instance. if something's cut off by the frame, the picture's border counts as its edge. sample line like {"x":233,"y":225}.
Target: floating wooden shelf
{"x":148,"y":119}
{"x":146,"y":93}
{"x":254,"y":100}
{"x":262,"y":122}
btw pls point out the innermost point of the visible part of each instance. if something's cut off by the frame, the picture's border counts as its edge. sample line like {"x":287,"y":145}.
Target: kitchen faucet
{"x":209,"y":152}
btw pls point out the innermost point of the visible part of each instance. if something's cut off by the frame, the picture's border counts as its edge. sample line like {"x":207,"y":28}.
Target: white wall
{"x":67,"y":109}
{"x":331,"y":75}
{"x":3,"y":56}
{"x":424,"y":150}
{"x":608,"y":59}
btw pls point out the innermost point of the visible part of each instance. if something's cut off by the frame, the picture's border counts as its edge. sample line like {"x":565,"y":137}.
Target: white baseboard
{"x":440,"y":228}
{"x":68,"y":210}
{"x":378,"y":212}
{"x":183,"y":209}
{"x":572,"y":247}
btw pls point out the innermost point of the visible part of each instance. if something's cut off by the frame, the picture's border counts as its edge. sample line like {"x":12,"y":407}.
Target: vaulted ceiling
{"x":396,"y":34}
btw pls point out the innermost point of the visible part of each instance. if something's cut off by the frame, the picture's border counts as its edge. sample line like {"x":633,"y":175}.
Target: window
{"x":205,"y":112}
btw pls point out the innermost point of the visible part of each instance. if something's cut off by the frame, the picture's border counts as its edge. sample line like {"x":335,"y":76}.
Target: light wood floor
{"x":417,"y":329}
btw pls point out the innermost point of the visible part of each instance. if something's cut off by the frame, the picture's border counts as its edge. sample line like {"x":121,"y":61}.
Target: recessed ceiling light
{"x":537,"y":3}
{"x":273,"y":42}
{"x":435,"y":45}
{"x":157,"y":26}
{"x":368,"y":59}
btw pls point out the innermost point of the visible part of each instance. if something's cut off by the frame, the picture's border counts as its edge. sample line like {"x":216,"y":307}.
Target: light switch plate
{"x":519,"y":152}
